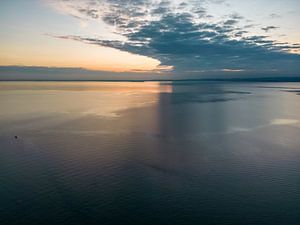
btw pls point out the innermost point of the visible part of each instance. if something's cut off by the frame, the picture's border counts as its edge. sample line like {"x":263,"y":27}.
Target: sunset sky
{"x":181,"y":38}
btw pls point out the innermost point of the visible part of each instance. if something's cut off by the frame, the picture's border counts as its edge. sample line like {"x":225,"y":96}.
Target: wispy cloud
{"x":274,"y":16}
{"x":269,"y":28}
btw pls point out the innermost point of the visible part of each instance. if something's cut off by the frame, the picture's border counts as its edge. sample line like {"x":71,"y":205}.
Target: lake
{"x":123,"y":153}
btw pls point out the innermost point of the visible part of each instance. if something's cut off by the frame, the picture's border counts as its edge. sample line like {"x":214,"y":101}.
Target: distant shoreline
{"x":264,"y":79}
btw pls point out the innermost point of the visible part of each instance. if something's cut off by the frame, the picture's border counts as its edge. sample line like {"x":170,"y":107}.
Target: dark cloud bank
{"x":181,"y":36}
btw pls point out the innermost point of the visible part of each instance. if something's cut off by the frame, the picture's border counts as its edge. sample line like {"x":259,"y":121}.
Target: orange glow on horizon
{"x":50,"y":52}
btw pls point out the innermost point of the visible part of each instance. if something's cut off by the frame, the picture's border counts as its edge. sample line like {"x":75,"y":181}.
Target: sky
{"x":148,"y":39}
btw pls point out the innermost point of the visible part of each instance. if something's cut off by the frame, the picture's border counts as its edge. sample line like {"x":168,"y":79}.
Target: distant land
{"x":33,"y":73}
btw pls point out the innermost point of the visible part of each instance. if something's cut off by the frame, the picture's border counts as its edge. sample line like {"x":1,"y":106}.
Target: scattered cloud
{"x":274,"y":16}
{"x":232,"y":70}
{"x":183,"y":36}
{"x":269,"y":28}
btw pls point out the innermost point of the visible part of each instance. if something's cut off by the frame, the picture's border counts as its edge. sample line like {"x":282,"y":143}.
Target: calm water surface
{"x":149,"y":153}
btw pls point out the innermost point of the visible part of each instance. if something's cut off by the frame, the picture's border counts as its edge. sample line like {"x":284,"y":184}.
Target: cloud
{"x":274,"y":16}
{"x":268,"y":28}
{"x":181,"y":35}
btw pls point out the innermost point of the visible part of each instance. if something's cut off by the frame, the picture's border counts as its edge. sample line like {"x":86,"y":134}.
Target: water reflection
{"x":149,"y":153}
{"x":141,"y":87}
{"x":210,"y":108}
{"x":28,"y":101}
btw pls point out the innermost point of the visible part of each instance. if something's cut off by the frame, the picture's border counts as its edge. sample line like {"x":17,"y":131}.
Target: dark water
{"x":149,"y":153}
